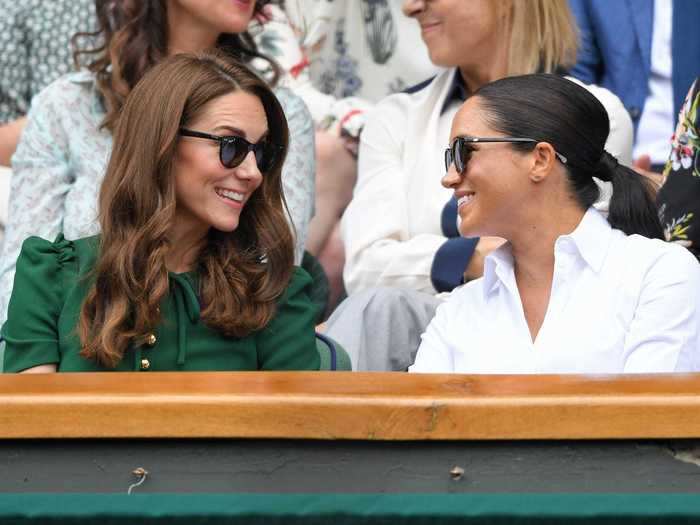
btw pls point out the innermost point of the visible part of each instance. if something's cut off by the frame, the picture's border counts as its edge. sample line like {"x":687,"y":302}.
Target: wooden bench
{"x":359,"y":447}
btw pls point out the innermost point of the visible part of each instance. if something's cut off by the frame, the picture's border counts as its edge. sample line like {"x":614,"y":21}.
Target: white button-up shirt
{"x":618,"y":304}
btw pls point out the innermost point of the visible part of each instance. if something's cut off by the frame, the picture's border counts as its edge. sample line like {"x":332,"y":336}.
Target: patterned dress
{"x":35,"y":47}
{"x":679,"y":197}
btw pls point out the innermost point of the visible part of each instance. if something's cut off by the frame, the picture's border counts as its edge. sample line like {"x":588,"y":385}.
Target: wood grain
{"x":335,"y":405}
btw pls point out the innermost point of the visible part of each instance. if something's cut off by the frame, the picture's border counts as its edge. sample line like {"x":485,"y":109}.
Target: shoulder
{"x":297,"y":114}
{"x":36,"y":248}
{"x":423,"y":98}
{"x":465,"y":299}
{"x":71,"y":84}
{"x":66,"y":92}
{"x":289,"y":100}
{"x":610,"y":100}
{"x":61,"y":252}
{"x":86,"y":250}
{"x":300,"y":282}
{"x":654,"y":257}
{"x":42,"y":261}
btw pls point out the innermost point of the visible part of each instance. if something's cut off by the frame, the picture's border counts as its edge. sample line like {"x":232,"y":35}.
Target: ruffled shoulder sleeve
{"x":44,"y":271}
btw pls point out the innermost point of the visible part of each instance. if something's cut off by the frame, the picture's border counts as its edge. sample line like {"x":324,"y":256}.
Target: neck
{"x":492,"y":67}
{"x":479,"y":75}
{"x":186,"y":34}
{"x":533,"y":246}
{"x":186,"y":242}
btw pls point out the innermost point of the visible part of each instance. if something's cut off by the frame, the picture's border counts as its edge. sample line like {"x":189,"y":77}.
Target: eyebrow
{"x":239,"y":132}
{"x":235,"y":131}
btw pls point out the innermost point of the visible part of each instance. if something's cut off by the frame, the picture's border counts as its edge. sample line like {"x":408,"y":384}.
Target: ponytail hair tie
{"x":606,"y":167}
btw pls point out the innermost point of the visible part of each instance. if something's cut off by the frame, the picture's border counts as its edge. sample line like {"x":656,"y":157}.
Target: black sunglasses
{"x":233,"y":149}
{"x":461,"y":150}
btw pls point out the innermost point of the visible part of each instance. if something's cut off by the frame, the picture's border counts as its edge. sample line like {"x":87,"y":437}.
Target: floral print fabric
{"x":679,"y":196}
{"x":343,"y":56}
{"x":35,"y":47}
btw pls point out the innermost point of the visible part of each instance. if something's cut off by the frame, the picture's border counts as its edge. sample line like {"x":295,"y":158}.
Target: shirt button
{"x":151,"y":339}
{"x":635,"y":112}
{"x":145,"y":364}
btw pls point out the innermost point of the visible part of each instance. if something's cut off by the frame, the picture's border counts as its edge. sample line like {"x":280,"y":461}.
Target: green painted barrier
{"x":346,"y":509}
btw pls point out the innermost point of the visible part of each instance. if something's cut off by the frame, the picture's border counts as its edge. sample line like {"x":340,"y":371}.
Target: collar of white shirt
{"x":590,"y":240}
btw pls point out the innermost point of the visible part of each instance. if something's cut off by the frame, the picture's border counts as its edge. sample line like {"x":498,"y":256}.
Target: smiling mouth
{"x":230,"y":195}
{"x":429,"y":27}
{"x":465,"y":199}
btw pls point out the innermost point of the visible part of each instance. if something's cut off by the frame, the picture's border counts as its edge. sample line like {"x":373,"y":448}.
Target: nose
{"x":411,"y":8}
{"x":451,"y":179}
{"x":248,"y":169}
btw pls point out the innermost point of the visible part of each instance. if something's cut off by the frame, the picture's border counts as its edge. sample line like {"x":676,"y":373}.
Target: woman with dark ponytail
{"x":571,"y":291}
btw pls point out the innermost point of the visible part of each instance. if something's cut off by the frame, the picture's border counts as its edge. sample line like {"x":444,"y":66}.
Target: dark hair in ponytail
{"x":550,"y":108}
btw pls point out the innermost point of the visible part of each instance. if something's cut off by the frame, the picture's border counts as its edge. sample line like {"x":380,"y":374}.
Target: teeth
{"x":231,"y":195}
{"x":465,"y":200}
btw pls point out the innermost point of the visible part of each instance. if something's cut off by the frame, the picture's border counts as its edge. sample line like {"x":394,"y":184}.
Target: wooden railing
{"x":333,"y":405}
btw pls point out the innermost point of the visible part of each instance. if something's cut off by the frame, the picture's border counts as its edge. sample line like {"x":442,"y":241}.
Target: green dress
{"x":50,"y":285}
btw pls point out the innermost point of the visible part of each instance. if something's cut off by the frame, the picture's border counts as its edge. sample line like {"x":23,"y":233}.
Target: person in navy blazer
{"x":615,"y":48}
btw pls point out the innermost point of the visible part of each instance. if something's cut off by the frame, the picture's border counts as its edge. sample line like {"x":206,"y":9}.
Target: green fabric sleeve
{"x":31,"y":329}
{"x":288,"y":342}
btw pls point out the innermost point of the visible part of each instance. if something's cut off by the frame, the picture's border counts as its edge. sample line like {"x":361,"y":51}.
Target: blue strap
{"x":331,"y":346}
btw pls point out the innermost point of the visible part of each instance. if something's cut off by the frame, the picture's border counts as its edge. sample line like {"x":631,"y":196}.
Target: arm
{"x":31,"y":330}
{"x":380,"y":248}
{"x":298,"y":172}
{"x":288,"y":342}
{"x":588,"y":58}
{"x":664,"y":333}
{"x":9,"y":138}
{"x":41,"y":369}
{"x":41,"y":178}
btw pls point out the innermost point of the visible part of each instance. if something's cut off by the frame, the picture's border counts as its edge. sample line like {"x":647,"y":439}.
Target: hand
{"x":642,"y":165}
{"x":485,"y":246}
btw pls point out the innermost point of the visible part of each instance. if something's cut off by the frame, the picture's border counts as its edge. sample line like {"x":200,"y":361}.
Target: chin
{"x":439,"y":58}
{"x":226,"y":227}
{"x":237,"y":23}
{"x":470,"y":230}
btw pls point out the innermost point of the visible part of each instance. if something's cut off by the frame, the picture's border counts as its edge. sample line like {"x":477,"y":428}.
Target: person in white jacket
{"x":400,"y":229}
{"x":571,"y":291}
{"x":342,"y":57}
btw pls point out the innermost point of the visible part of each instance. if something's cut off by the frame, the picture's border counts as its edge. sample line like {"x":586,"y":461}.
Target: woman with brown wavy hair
{"x":194,"y":268}
{"x":62,"y":156}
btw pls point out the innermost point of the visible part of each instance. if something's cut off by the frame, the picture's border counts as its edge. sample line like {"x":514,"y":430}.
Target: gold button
{"x":151,"y":339}
{"x":145,"y":364}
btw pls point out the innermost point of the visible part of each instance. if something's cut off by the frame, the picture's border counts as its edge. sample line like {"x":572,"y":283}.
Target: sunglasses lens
{"x":448,"y":159}
{"x":232,"y":153}
{"x":265,"y":157}
{"x":458,"y":154}
{"x":462,"y":153}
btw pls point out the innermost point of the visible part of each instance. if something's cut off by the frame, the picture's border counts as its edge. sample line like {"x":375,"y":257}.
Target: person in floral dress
{"x":678,"y":198}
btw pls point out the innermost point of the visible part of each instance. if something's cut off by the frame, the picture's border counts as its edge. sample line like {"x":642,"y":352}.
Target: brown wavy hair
{"x":133,"y":37}
{"x":241,"y":274}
